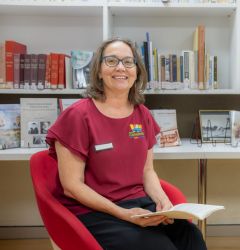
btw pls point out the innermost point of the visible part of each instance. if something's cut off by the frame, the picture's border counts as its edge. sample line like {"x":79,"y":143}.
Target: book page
{"x":186,"y":211}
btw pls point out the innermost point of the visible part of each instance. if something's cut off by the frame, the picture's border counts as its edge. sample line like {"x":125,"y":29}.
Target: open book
{"x":186,"y":211}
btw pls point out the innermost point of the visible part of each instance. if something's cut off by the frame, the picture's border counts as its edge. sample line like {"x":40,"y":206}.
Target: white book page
{"x":186,"y":211}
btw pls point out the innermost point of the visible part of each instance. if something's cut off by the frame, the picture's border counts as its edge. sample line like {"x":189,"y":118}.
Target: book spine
{"x":22,"y":63}
{"x":41,"y":70}
{"x":215,"y":80}
{"x":61,"y":72}
{"x":16,"y":71}
{"x":68,"y":73}
{"x":48,"y":72}
{"x":162,"y":68}
{"x":174,"y":68}
{"x":27,"y":69}
{"x":201,"y":56}
{"x":34,"y":71}
{"x":2,"y":66}
{"x":54,"y":70}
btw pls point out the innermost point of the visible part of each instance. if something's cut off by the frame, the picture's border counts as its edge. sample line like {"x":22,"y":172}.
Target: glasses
{"x":113,"y":61}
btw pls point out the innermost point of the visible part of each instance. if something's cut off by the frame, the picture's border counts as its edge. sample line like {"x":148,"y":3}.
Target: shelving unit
{"x":61,"y":26}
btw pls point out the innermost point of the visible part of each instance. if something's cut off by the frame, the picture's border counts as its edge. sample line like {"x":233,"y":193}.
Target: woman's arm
{"x":71,"y":172}
{"x":152,"y":185}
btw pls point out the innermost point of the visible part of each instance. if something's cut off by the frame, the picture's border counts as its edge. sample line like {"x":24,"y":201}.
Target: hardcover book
{"x":11,"y":48}
{"x":37,"y":115}
{"x":185,"y":211}
{"x":9,"y":126}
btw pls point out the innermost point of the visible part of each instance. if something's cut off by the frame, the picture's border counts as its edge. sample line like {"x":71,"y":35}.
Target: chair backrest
{"x":63,"y":227}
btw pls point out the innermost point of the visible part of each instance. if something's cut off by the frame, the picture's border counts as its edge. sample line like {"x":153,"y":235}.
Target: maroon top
{"x":114,"y":150}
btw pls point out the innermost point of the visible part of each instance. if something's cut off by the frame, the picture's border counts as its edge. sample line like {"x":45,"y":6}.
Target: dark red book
{"x":11,"y":48}
{"x":42,"y":58}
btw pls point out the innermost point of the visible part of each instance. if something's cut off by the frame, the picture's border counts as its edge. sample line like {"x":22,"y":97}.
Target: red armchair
{"x":65,"y":230}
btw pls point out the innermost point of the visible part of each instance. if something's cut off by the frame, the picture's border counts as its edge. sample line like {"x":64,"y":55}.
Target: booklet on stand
{"x":185,"y":211}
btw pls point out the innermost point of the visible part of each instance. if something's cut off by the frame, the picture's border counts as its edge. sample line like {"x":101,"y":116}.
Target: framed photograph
{"x":215,"y":125}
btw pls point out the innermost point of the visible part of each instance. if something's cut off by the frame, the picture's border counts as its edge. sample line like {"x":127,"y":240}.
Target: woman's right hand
{"x":142,"y":221}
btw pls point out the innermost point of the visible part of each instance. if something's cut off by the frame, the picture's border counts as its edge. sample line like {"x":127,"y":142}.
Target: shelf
{"x":193,"y":92}
{"x":146,"y":92}
{"x":172,"y":9}
{"x":192,"y":151}
{"x":43,"y":92}
{"x":18,"y":154}
{"x":186,"y":151}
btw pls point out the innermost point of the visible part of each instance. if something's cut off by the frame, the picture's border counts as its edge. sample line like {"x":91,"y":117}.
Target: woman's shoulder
{"x":81,"y":106}
{"x":143,"y":109}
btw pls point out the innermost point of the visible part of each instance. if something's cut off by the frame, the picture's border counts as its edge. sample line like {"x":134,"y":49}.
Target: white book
{"x":165,"y":118}
{"x":167,"y":121}
{"x":235,"y":127}
{"x":65,"y":103}
{"x":185,"y":211}
{"x":37,"y":115}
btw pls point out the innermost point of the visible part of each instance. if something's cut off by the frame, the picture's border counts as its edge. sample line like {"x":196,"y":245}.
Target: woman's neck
{"x":114,"y":107}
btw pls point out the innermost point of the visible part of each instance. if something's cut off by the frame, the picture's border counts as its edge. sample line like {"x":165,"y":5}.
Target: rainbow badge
{"x":136,"y":131}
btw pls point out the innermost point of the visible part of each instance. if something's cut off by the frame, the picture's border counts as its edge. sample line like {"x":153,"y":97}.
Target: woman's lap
{"x":115,"y":234}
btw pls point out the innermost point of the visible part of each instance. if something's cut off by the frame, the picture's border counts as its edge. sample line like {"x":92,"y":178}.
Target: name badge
{"x":105,"y":146}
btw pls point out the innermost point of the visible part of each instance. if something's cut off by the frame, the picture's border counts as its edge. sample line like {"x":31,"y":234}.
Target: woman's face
{"x":118,"y":79}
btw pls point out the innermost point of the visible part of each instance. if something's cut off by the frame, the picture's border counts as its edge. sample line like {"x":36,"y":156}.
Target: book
{"x":37,"y":115}
{"x":54,"y":66}
{"x":11,"y":48}
{"x":81,"y":61}
{"x":9,"y":126}
{"x":41,"y":70}
{"x":185,"y":211}
{"x":65,"y":103}
{"x":235,"y":127}
{"x":167,"y":121}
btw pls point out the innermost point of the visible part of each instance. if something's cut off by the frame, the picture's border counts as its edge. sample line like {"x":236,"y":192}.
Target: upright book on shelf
{"x":9,"y":126}
{"x":81,"y":61}
{"x":167,"y":121}
{"x":37,"y":115}
{"x":235,"y":127}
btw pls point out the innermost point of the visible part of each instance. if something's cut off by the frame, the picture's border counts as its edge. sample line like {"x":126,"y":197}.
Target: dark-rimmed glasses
{"x":113,"y":61}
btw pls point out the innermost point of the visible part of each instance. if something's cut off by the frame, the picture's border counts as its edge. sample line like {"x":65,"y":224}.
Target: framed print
{"x":215,"y":125}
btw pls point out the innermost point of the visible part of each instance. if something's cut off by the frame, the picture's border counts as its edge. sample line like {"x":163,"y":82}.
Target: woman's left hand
{"x":165,"y":204}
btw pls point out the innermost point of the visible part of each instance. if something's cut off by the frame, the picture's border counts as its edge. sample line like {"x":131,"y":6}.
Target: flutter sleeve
{"x":71,"y":130}
{"x":152,"y":129}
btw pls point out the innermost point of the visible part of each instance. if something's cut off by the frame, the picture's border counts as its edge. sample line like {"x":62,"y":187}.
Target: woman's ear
{"x":100,"y":75}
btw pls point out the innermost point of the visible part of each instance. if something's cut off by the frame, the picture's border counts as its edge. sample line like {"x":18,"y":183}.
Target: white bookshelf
{"x":63,"y":25}
{"x":185,"y":151}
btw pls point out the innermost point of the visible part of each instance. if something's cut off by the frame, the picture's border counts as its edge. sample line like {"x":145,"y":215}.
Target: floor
{"x":214,"y":243}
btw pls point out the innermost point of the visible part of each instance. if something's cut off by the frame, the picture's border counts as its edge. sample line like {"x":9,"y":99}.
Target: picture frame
{"x":215,"y":126}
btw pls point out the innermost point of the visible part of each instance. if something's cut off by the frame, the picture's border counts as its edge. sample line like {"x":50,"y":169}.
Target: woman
{"x":103,"y":145}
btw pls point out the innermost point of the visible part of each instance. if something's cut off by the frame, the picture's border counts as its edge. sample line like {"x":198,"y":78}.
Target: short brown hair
{"x":95,"y":89}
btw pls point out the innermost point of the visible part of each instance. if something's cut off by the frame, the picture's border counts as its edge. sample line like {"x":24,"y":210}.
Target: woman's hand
{"x":165,"y":204}
{"x":143,"y":221}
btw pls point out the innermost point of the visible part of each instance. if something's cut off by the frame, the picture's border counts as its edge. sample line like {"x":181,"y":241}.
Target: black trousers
{"x":115,"y":234}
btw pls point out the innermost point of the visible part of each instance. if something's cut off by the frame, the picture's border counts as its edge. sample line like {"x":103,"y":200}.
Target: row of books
{"x":18,"y":69}
{"x":26,"y":124}
{"x":195,"y":68}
